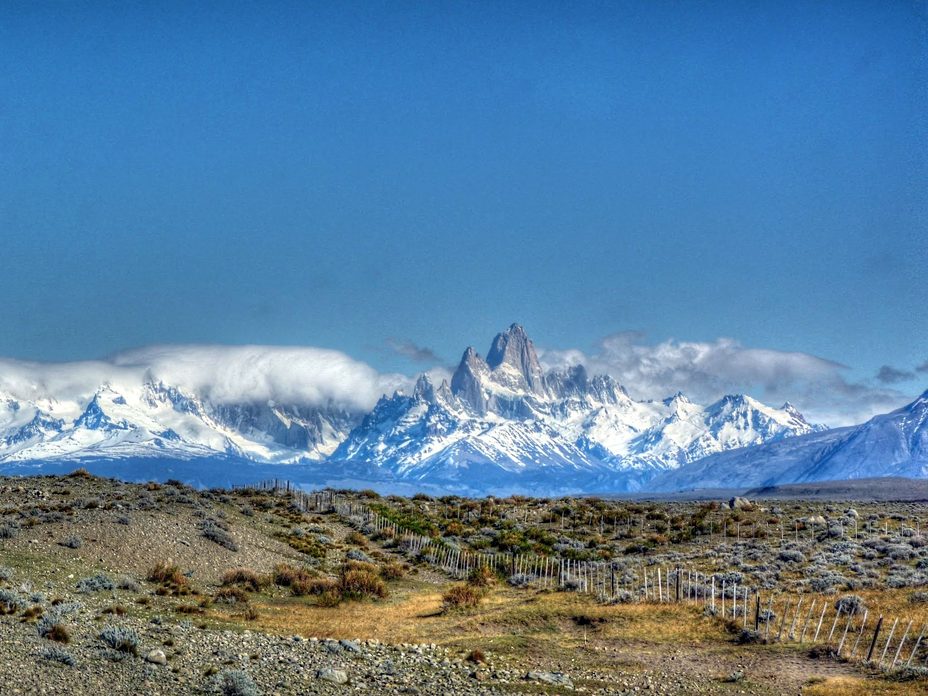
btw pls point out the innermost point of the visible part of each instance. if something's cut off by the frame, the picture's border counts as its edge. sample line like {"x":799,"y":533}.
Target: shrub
{"x":8,"y":531}
{"x":792,"y":556}
{"x":918,"y":598}
{"x":392,"y":571}
{"x":481,"y":576}
{"x":621,"y":597}
{"x":55,"y":654}
{"x":72,"y":542}
{"x":52,"y":627}
{"x":234,"y":682}
{"x":356,"y":538}
{"x":747,"y":636}
{"x":520,"y":580}
{"x":128,"y":583}
{"x":212,"y":531}
{"x":10,"y":602}
{"x":95,"y":583}
{"x":461,"y":597}
{"x":121,"y":639}
{"x":5,"y":573}
{"x":358,"y":555}
{"x":81,"y":473}
{"x":850,"y":604}
{"x":360,"y":583}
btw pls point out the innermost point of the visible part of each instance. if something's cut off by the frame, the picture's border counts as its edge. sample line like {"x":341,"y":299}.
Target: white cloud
{"x":707,"y":370}
{"x":315,"y":376}
{"x":222,"y":373}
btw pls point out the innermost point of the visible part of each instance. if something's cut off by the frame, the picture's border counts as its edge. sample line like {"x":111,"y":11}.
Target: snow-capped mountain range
{"x":502,"y":423}
{"x":501,"y":420}
{"x":157,"y":420}
{"x":891,"y":444}
{"x":503,"y":416}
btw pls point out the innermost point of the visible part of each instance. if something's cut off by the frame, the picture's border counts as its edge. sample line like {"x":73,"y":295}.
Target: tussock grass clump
{"x":32,"y":613}
{"x":81,"y":473}
{"x":314,"y":586}
{"x":231,"y":595}
{"x":52,"y":627}
{"x":460,"y":597}
{"x":476,"y":656}
{"x":167,"y":573}
{"x":286,"y":575}
{"x":244,"y":577}
{"x":116,"y":609}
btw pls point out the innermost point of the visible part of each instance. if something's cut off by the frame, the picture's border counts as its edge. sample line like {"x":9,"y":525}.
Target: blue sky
{"x":360,"y":175}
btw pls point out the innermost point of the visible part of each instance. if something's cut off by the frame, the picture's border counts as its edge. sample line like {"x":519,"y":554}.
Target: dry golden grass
{"x":861,"y":686}
{"x":414,"y":614}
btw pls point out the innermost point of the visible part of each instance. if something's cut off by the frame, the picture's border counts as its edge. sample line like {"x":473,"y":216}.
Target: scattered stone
{"x":554,"y":678}
{"x":156,"y":657}
{"x":336,"y":676}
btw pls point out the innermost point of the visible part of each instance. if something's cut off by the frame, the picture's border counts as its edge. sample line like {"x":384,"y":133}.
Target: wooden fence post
{"x":805,"y":624}
{"x":915,"y":649}
{"x":901,"y":643}
{"x":863,"y":625}
{"x":886,"y":647}
{"x":820,"y":619}
{"x":783,"y":618}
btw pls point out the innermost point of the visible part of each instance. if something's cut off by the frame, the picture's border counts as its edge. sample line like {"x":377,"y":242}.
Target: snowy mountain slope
{"x":892,"y":444}
{"x":505,"y":412}
{"x":148,"y":419}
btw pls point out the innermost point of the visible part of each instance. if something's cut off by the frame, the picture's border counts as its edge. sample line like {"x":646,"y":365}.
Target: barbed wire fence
{"x":840,"y":628}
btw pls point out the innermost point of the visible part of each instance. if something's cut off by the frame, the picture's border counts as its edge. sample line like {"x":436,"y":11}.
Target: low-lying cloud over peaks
{"x":707,"y":370}
{"x":224,"y":374}
{"x":704,"y":371}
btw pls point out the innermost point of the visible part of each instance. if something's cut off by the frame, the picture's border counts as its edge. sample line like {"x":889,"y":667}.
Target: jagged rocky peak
{"x":608,"y":390}
{"x":678,"y":398}
{"x":425,"y":390}
{"x":467,"y":381}
{"x":793,"y":412}
{"x":514,"y":362}
{"x":572,"y":381}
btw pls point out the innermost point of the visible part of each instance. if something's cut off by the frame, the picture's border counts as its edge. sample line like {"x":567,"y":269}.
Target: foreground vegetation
{"x":103,"y":582}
